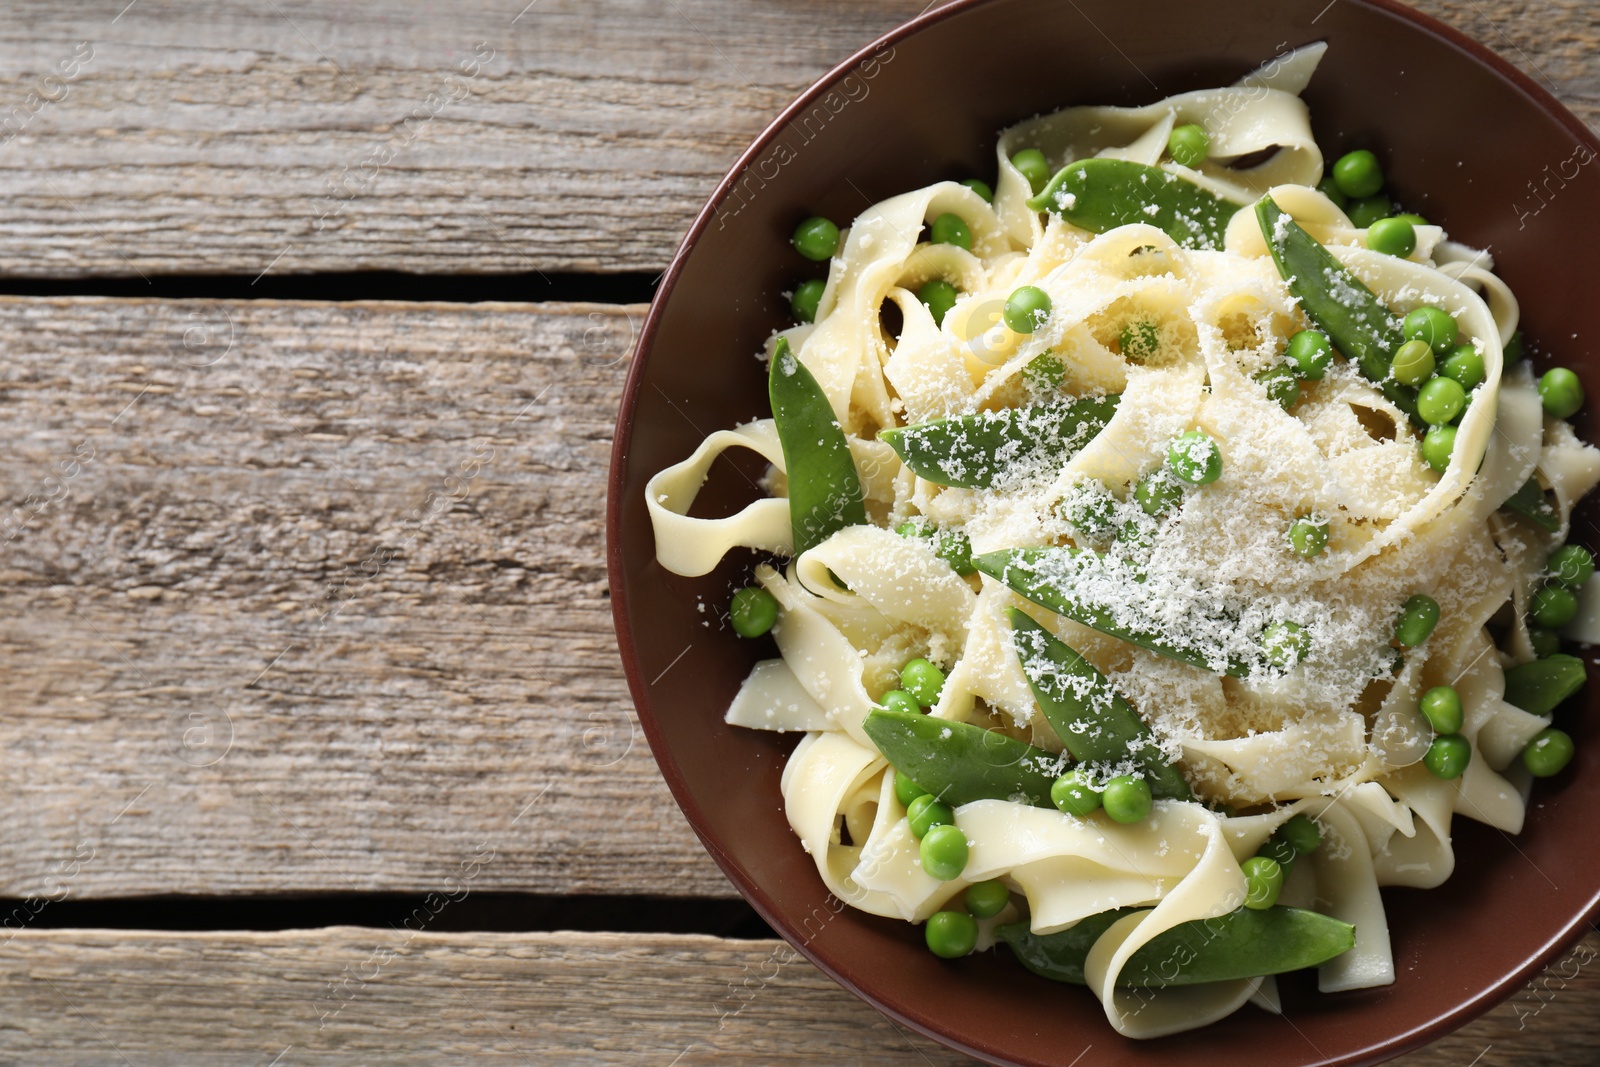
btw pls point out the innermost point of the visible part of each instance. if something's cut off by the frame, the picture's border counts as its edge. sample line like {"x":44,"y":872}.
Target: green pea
{"x":906,"y":791}
{"x":944,"y":852}
{"x":1418,"y":616}
{"x":1136,"y":538}
{"x":1030,"y":162}
{"x":981,"y":188}
{"x":1312,"y":353}
{"x":1561,"y":393}
{"x":1392,"y":237}
{"x":1092,"y":511}
{"x":926,"y":812}
{"x":1413,"y":363}
{"x":952,"y":546}
{"x":1358,"y":174}
{"x":816,"y":238}
{"x":1440,"y":401}
{"x":1285,"y":643}
{"x":1437,"y":447}
{"x":950,"y":229}
{"x":1263,"y":880}
{"x":1074,"y":796}
{"x":1195,"y":458}
{"x":1545,"y":643}
{"x":1514,"y":348}
{"x":753,"y":611}
{"x":955,"y":548}
{"x":950,"y":934}
{"x":1571,"y":565}
{"x":1330,"y":189}
{"x":1302,"y":833}
{"x":1280,"y":850}
{"x":1139,"y":341}
{"x":1189,"y":145}
{"x":1465,"y":365}
{"x":1553,"y":606}
{"x":1413,"y":218}
{"x":1158,"y":493}
{"x":807,"y":296}
{"x":1548,"y":753}
{"x":1308,"y":538}
{"x":1433,"y":325}
{"x":1448,"y":756}
{"x":1364,"y":212}
{"x":1127,"y":799}
{"x":985,"y":900}
{"x":923,"y":680}
{"x":1441,"y":706}
{"x":938,"y":296}
{"x":1045,"y":372}
{"x":1027,"y":309}
{"x":1282,"y":387}
{"x":900,"y":700}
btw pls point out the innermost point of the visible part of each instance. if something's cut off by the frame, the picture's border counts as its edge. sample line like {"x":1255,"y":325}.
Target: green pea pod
{"x":1531,"y":503}
{"x":1241,"y":944}
{"x":1091,"y":719}
{"x":1102,"y":194}
{"x":978,"y":451}
{"x":1059,"y":956}
{"x":959,"y":763}
{"x":824,"y":489}
{"x":1045,"y":576}
{"x":1337,"y":302}
{"x":1539,"y":686}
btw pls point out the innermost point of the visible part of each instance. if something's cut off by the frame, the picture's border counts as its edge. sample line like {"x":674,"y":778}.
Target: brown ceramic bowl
{"x":1467,"y":140}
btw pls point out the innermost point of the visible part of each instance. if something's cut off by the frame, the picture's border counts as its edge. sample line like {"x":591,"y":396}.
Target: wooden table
{"x":318,"y":750}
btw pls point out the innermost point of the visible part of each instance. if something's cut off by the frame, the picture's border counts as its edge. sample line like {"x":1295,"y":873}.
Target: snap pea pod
{"x":824,"y":488}
{"x":978,"y":451}
{"x":959,"y":763}
{"x":1043,"y":575}
{"x":1531,"y":504}
{"x":1089,"y":716}
{"x":1059,"y":956}
{"x":1539,"y":686}
{"x":1241,"y":944}
{"x":1337,"y":302}
{"x":1102,"y":194}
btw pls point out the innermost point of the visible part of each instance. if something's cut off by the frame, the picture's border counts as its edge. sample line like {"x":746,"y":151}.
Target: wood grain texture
{"x":312,"y":597}
{"x":345,"y":995}
{"x":238,"y":137}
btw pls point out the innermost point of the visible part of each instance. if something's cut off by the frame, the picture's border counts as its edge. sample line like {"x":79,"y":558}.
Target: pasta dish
{"x":1163,"y":547}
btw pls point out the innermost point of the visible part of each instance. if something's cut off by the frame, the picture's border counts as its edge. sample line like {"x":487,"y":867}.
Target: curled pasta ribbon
{"x":824,"y":660}
{"x":1263,"y":111}
{"x":830,"y":775}
{"x":692,"y":547}
{"x":846,"y":350}
{"x":1348,"y":883}
{"x":1213,"y":886}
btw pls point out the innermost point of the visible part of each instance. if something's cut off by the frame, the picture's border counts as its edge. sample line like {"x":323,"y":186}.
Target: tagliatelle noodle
{"x":1339,"y":737}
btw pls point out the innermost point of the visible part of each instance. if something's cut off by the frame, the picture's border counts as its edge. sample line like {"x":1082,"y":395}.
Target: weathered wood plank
{"x":238,"y":137}
{"x":311,"y":597}
{"x":320,"y":997}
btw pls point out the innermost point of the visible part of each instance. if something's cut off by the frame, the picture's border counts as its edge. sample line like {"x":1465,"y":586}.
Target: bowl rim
{"x":754,"y":894}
